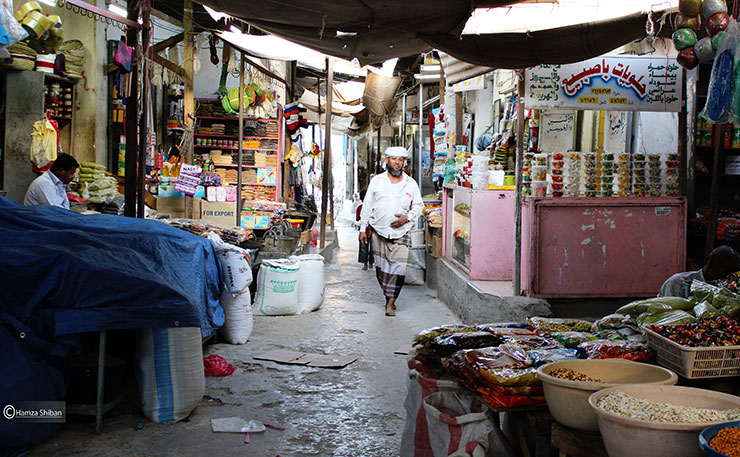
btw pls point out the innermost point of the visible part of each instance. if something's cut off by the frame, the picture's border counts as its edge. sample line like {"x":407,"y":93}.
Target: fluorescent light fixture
{"x":49,"y":2}
{"x":115,"y":9}
{"x":235,"y":29}
{"x":430,"y":68}
{"x":429,"y":77}
{"x":346,"y":34}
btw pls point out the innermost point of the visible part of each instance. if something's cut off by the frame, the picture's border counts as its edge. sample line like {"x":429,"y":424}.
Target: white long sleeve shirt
{"x":384,"y":200}
{"x":47,"y":189}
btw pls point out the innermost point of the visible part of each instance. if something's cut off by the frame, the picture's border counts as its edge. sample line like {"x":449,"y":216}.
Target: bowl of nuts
{"x":569,"y":383}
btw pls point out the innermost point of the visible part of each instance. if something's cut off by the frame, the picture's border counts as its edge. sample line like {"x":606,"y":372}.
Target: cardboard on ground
{"x":307,"y":358}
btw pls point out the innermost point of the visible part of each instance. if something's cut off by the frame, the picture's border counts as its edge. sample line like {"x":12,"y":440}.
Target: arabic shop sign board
{"x":619,"y":83}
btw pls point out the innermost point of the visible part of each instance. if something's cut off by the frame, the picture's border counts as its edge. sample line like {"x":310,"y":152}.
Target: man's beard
{"x":395,"y":173}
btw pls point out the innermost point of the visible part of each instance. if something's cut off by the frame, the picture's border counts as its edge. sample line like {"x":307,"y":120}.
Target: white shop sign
{"x":620,"y":83}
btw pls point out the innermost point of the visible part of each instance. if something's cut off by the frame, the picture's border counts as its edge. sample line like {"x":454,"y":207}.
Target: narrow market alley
{"x":355,"y":410}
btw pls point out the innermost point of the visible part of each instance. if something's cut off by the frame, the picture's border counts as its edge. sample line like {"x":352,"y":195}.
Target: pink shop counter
{"x":601,"y":247}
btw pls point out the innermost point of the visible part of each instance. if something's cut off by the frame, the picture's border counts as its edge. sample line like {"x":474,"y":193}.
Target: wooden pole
{"x":714,"y":192}
{"x":682,"y":139}
{"x":145,"y":103}
{"x":189,"y":101}
{"x":132,"y":105}
{"x":326,"y":180}
{"x":459,"y":117}
{"x":517,"y":283}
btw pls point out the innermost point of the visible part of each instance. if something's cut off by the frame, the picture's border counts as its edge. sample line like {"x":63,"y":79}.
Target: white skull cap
{"x":397,"y":151}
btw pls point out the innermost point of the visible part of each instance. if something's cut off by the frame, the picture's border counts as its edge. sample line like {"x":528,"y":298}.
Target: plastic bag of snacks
{"x":426,"y":336}
{"x":529,"y":342}
{"x":496,"y":399}
{"x":491,"y":366}
{"x":655,"y":305}
{"x":616,"y":349}
{"x":486,"y":327}
{"x":550,"y":324}
{"x":665,"y":318}
{"x":446,"y":345}
{"x":571,"y":339}
{"x":542,"y":356}
{"x":706,"y":311}
{"x":723,"y":331}
{"x":614,"y":321}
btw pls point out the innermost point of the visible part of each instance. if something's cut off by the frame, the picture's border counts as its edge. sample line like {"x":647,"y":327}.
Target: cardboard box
{"x":223,"y":213}
{"x":169,"y":204}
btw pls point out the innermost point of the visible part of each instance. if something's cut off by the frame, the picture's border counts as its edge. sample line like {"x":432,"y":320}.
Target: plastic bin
{"x":694,"y":363}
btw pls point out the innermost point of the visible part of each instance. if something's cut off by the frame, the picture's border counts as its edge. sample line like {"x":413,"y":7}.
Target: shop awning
{"x":311,"y":101}
{"x":371,"y":31}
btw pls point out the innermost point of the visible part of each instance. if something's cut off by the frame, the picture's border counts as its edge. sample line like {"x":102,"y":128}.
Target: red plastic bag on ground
{"x":215,"y":365}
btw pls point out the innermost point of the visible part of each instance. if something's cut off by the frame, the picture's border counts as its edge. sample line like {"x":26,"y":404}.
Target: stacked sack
{"x":94,"y":184}
{"x":688,"y":23}
{"x":236,"y":270}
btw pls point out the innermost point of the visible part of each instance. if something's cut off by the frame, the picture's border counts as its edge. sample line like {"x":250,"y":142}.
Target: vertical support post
{"x":239,"y":168}
{"x":132,"y":109}
{"x":145,"y":104}
{"x":459,"y":117}
{"x":189,"y":102}
{"x":403,"y":121}
{"x":719,"y":161}
{"x":442,"y":84}
{"x":100,"y":399}
{"x":682,"y":138}
{"x":327,"y":181}
{"x":421,"y":133}
{"x":517,"y":283}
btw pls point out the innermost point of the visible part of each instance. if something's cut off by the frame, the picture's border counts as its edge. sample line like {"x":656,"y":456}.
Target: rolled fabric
{"x":711,"y":7}
{"x":687,"y":22}
{"x":718,"y":100}
{"x":689,"y":7}
{"x":717,"y":23}
{"x":687,"y":58}
{"x":684,"y":38}
{"x":704,"y":50}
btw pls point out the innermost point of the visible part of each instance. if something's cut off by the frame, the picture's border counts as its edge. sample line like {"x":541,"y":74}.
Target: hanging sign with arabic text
{"x":618,"y":83}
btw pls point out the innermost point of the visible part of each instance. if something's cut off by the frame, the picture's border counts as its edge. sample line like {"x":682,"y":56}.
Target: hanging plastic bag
{"x":123,"y":57}
{"x":12,"y":27}
{"x":717,"y":108}
{"x":43,"y":143}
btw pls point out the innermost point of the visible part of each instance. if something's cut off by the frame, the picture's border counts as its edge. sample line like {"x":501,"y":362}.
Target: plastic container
{"x":557,"y":164}
{"x":557,"y":179}
{"x":556,"y":172}
{"x":557,"y":156}
{"x":625,"y":437}
{"x":539,"y":173}
{"x":540,"y":159}
{"x":539,"y":188}
{"x":693,"y":363}
{"x":710,"y":432}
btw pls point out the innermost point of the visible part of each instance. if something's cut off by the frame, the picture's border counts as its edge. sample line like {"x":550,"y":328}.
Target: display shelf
{"x":249,"y":184}
{"x":235,"y":148}
{"x":236,"y":118}
{"x":234,"y":165}
{"x":206,"y":135}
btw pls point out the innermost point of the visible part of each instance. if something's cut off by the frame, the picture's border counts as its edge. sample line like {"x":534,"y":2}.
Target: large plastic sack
{"x":236,"y":269}
{"x":719,"y":95}
{"x":655,"y":305}
{"x":415,"y":266}
{"x":665,"y":318}
{"x":311,"y":282}
{"x":458,"y":424}
{"x":238,"y":320}
{"x":169,"y":372}
{"x":719,"y":297}
{"x":277,"y":288}
{"x":706,"y":311}
{"x":415,"y":441}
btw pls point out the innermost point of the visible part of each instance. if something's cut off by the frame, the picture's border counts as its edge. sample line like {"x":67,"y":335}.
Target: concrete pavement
{"x":353,"y":411}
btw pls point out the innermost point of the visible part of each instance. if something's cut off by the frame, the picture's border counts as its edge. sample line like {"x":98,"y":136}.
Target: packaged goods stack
{"x":655,"y":172}
{"x":671,"y":179}
{"x":607,"y":174}
{"x":539,"y":175}
{"x":527,"y":173}
{"x":624,"y":174}
{"x":639,"y":179}
{"x":556,"y":173}
{"x":573,"y":174}
{"x":592,"y":181}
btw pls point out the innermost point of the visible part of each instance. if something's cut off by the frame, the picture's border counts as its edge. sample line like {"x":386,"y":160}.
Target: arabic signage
{"x":619,"y":83}
{"x":477,"y":83}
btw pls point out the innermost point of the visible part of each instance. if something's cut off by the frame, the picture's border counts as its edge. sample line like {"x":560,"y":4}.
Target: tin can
{"x":735,"y":138}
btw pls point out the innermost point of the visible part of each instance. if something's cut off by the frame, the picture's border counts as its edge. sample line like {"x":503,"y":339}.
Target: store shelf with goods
{"x":233,"y":183}
{"x":234,"y":165}
{"x":236,"y":118}
{"x":235,"y":148}
{"x":234,"y":137}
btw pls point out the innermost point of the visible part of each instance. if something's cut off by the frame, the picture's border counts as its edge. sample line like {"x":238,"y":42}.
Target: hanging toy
{"x":687,"y":22}
{"x":718,"y":22}
{"x":711,"y":7}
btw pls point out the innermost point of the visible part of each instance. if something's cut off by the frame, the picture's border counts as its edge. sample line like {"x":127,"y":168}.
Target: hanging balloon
{"x":684,"y":38}
{"x":718,"y":39}
{"x":687,"y":58}
{"x":711,"y":7}
{"x":689,"y":7}
{"x":687,"y":22}
{"x":704,"y":50}
{"x":717,"y":23}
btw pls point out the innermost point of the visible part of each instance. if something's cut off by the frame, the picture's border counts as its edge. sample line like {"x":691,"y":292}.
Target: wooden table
{"x":576,"y":443}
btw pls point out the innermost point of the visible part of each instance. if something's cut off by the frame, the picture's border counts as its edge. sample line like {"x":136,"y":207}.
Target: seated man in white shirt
{"x":51,"y":187}
{"x":721,"y":262}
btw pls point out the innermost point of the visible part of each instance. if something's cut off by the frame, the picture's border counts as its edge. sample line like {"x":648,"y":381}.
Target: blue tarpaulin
{"x":63,"y":273}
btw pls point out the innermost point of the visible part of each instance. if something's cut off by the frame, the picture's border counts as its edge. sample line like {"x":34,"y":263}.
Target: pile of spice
{"x":724,"y":331}
{"x":638,"y":408}
{"x":727,"y":441}
{"x":572,"y":375}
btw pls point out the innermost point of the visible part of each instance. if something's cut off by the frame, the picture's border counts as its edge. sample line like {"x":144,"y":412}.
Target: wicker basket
{"x":695,"y":363}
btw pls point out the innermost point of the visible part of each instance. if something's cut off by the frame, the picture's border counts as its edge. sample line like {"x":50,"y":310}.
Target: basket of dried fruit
{"x":569,"y":383}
